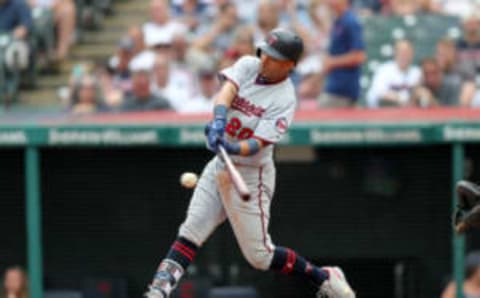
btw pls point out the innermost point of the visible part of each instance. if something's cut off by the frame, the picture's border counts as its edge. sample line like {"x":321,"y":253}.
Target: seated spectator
{"x":218,"y":36}
{"x":86,"y":97}
{"x":471,"y":285}
{"x":173,"y":48}
{"x":436,"y":90}
{"x":161,"y":25}
{"x":192,"y":13}
{"x":285,"y":14}
{"x":267,"y":19}
{"x":113,"y":95}
{"x":171,"y":84}
{"x":242,"y":45}
{"x":15,"y":18}
{"x":171,"y":44}
{"x":246,"y":10}
{"x":64,"y":12}
{"x":179,"y":50}
{"x":476,"y":100}
{"x":141,"y":98}
{"x":394,"y":80}
{"x":469,"y":46}
{"x":79,"y":71}
{"x":136,"y":34}
{"x":15,"y":283}
{"x":446,"y":56}
{"x":405,"y":7}
{"x":118,"y":65}
{"x":208,"y":87}
{"x":458,"y":8}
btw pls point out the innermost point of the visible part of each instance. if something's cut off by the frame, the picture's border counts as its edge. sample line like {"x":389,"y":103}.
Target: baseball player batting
{"x":253,"y":110}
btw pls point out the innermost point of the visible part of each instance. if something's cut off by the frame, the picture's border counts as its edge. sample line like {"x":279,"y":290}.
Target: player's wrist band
{"x":253,"y":146}
{"x":220,"y":112}
{"x":232,"y":148}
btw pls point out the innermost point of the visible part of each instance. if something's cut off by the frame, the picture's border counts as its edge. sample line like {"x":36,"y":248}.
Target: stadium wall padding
{"x":113,"y":212}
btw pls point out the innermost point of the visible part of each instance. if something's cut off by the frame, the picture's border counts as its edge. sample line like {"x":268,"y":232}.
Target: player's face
{"x":13,"y":281}
{"x":274,"y":69}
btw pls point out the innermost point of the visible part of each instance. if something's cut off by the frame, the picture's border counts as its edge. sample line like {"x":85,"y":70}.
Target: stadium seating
{"x":381,"y":32}
{"x":42,"y":42}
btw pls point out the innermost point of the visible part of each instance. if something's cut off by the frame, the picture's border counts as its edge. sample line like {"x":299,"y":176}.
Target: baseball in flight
{"x":188,"y":180}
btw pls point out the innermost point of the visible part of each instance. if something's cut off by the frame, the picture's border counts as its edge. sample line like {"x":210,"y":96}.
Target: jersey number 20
{"x":234,"y":129}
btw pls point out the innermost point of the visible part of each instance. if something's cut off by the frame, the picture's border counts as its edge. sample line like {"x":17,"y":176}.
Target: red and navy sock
{"x":183,"y":251}
{"x":287,"y":261}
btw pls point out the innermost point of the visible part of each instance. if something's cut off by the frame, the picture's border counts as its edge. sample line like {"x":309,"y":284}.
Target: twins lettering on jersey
{"x":234,"y":127}
{"x":246,"y":107}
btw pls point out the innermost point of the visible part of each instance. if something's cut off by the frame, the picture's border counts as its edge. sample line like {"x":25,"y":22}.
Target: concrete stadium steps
{"x":94,"y":46}
{"x":92,"y":52}
{"x":41,"y":97}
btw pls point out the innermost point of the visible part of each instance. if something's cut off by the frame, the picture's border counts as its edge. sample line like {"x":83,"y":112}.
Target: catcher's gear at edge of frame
{"x":467,"y":213}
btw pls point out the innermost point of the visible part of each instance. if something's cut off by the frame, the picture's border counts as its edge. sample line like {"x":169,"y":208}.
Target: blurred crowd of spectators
{"x":170,"y":62}
{"x":38,"y":35}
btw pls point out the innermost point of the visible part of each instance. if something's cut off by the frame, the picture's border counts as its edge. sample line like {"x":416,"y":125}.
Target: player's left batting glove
{"x":215,"y":129}
{"x":467,"y":214}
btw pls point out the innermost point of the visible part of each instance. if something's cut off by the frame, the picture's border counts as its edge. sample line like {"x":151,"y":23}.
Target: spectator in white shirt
{"x":168,"y":82}
{"x":394,"y":80}
{"x":208,"y":85}
{"x":459,"y":8}
{"x":141,"y":98}
{"x":161,"y":25}
{"x":476,"y":100}
{"x":246,"y":10}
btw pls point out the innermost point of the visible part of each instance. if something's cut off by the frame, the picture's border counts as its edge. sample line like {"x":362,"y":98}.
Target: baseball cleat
{"x":154,"y":292}
{"x":336,"y":286}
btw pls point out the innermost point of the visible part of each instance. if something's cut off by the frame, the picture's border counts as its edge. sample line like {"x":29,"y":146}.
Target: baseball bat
{"x":237,"y":179}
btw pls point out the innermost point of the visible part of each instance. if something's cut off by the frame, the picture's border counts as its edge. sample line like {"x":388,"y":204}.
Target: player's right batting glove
{"x":216,"y":128}
{"x":467,"y":214}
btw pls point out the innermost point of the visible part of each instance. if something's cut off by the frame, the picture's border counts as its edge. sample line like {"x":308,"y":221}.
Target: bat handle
{"x":236,"y":177}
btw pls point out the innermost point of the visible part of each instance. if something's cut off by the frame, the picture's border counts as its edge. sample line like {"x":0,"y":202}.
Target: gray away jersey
{"x":261,"y":110}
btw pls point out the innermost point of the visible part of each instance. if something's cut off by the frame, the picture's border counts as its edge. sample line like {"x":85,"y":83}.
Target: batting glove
{"x":213,"y":137}
{"x":215,"y":129}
